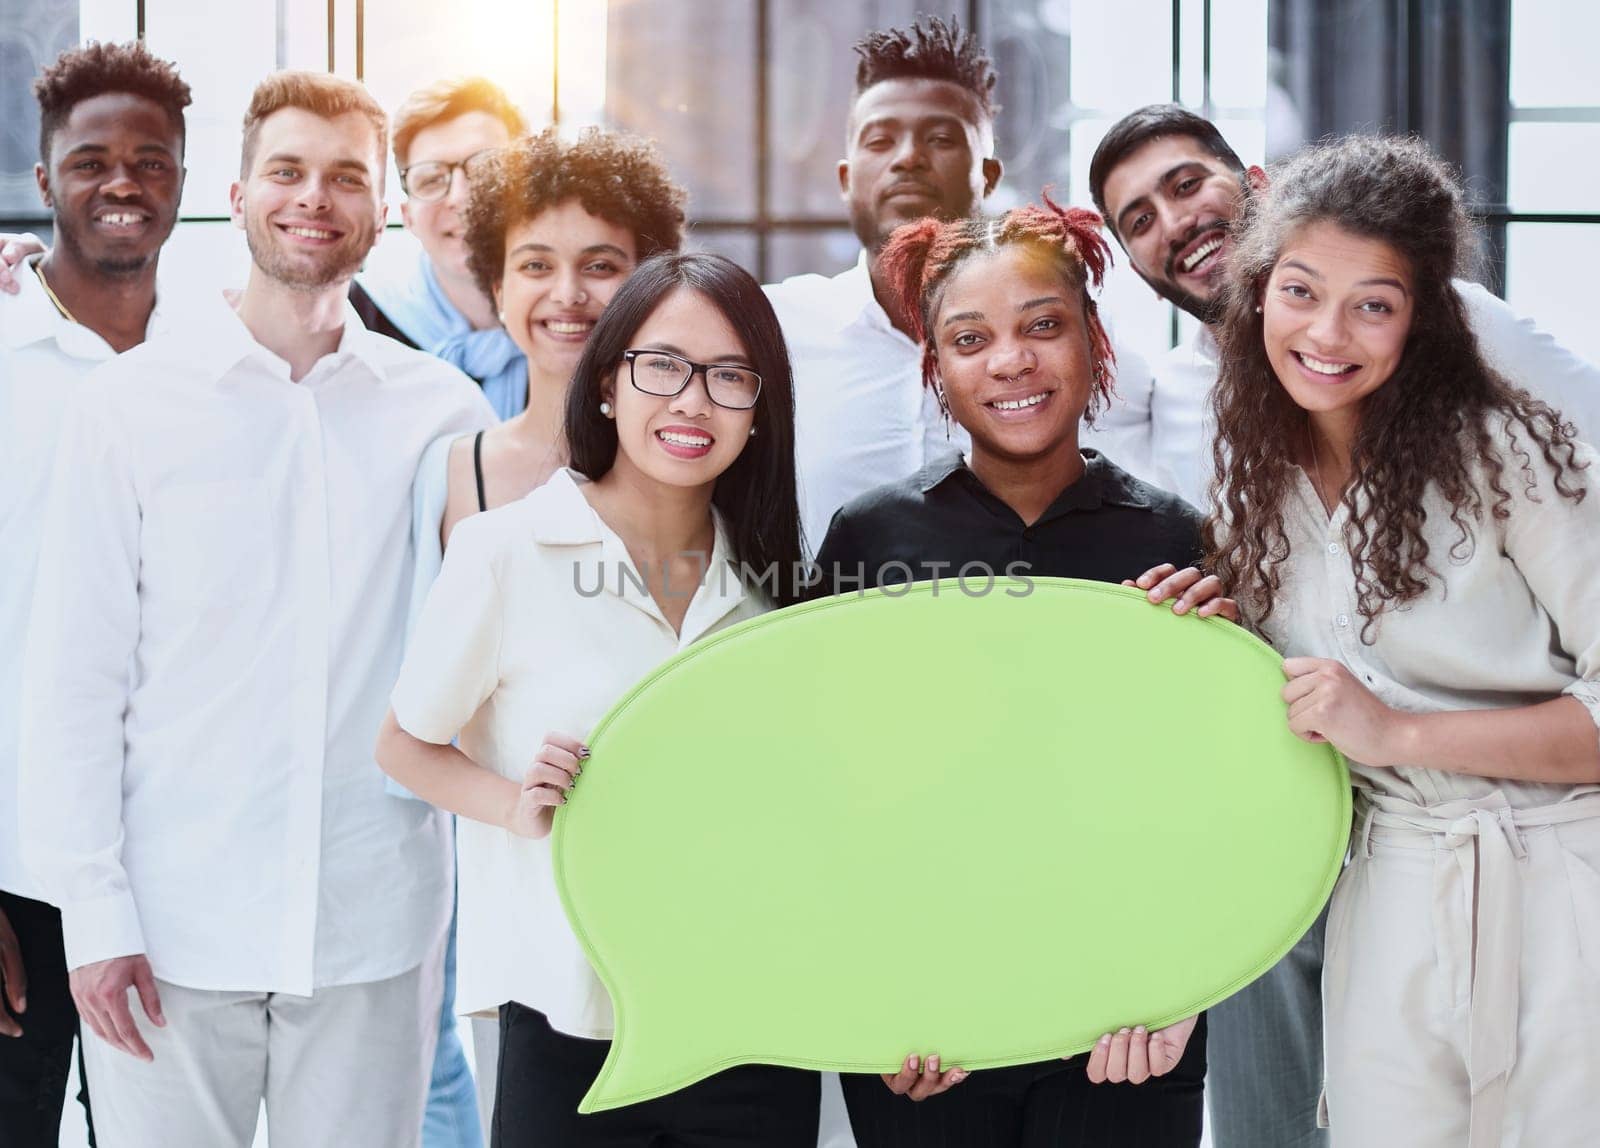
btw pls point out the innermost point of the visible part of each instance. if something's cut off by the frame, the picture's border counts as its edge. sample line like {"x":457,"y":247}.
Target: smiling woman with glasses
{"x":680,"y":420}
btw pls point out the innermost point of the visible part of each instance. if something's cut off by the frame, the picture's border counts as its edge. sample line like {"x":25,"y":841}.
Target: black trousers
{"x":1051,"y":1104}
{"x":544,"y":1073}
{"x":34,"y":1066}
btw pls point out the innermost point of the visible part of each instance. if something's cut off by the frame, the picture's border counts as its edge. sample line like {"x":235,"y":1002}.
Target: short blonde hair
{"x":443,"y":101}
{"x":319,"y":93}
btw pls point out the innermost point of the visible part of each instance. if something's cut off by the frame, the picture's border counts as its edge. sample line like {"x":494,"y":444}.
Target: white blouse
{"x":537,"y":623}
{"x":1512,"y":622}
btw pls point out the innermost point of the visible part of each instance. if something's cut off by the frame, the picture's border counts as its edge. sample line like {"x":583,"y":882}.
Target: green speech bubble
{"x":989,"y":827}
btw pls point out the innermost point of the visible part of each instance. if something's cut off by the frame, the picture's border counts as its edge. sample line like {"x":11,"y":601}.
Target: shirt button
{"x":1342,"y":621}
{"x":1333,"y":548}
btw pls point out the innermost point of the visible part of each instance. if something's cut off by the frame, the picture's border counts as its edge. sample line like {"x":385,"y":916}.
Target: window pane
{"x":1548,"y":279}
{"x":1030,"y":44}
{"x":1554,"y":167}
{"x":53,"y":28}
{"x":812,"y":80}
{"x":737,"y":245}
{"x":810,"y":253}
{"x":1553,"y":53}
{"x":685,"y":75}
{"x":1121,"y":53}
{"x":223,"y":63}
{"x":1238,"y":53}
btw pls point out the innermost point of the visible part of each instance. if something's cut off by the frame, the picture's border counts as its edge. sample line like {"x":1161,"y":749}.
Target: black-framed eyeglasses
{"x":430,"y":180}
{"x":663,"y":374}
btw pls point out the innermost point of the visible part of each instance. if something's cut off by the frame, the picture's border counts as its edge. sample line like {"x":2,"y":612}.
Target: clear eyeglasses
{"x":664,"y":374}
{"x":430,"y":180}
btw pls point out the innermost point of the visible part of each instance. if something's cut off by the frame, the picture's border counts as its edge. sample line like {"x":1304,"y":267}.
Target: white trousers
{"x":347,"y":1067}
{"x":1462,"y":977}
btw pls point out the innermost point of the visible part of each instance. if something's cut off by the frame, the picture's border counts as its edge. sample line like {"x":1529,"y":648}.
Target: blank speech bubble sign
{"x":990,"y":826}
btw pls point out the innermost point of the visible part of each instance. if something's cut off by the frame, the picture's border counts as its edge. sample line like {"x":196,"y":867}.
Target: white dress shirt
{"x":219,"y":615}
{"x":533,"y":626}
{"x":43,"y":358}
{"x":1181,"y":427}
{"x":863,"y":417}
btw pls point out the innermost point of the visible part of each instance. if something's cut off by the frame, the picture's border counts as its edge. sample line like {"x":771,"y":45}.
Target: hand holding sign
{"x":902,"y":822}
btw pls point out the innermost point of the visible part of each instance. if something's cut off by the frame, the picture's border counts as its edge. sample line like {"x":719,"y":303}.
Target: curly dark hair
{"x":1433,"y":423}
{"x":615,"y":175}
{"x":95,"y":69}
{"x":920,"y":257}
{"x":939,"y":50}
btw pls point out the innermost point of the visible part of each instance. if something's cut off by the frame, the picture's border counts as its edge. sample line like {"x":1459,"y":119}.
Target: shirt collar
{"x":30,"y":317}
{"x":223,"y":341}
{"x":565,"y":518}
{"x":1104,"y":483}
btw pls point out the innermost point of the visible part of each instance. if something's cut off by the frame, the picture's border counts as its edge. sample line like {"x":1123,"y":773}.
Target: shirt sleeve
{"x":429,"y":493}
{"x":452,"y":661}
{"x":1122,"y":431}
{"x":82,"y":636}
{"x":1553,"y":540}
{"x":1531,"y":358}
{"x":840,"y":560}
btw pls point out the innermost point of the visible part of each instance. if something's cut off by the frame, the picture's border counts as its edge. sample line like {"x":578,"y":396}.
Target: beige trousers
{"x":1462,"y":977}
{"x":347,"y":1067}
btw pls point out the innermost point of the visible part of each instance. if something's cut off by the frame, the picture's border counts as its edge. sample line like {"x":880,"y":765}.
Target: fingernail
{"x":1138,"y":1029}
{"x":958,"y":1076}
{"x":1105,"y":1040}
{"x":913,"y":1063}
{"x":1122,"y":1032}
{"x":933,"y":1064}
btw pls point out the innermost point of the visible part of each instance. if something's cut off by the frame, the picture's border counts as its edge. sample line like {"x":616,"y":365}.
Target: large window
{"x":1552,"y":216}
{"x":748,"y":99}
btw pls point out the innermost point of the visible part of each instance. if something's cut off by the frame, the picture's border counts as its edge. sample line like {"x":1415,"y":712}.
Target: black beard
{"x":112,"y":267}
{"x":1208,"y":311}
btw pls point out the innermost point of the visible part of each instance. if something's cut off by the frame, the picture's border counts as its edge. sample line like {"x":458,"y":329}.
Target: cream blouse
{"x":538,"y":622}
{"x":1513,"y":621}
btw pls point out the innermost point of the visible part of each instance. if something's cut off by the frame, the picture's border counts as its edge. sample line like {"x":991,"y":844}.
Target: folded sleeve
{"x":1555,"y":543}
{"x":83,"y":633}
{"x":452,"y":661}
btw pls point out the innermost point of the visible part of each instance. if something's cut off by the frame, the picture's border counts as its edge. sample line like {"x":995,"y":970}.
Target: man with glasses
{"x":432,"y":301}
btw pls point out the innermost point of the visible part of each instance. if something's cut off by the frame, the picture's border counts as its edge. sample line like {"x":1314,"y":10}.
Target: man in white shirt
{"x":919,"y":142}
{"x":218,"y":619}
{"x":429,"y":298}
{"x":1170,"y":187}
{"x":111,"y":173}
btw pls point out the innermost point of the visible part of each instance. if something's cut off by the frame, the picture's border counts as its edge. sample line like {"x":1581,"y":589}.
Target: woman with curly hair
{"x":1015,"y":353}
{"x":1419,"y":537}
{"x":554,"y":228}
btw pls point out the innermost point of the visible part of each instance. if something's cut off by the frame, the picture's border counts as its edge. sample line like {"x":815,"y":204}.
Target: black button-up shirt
{"x":1107,"y":526}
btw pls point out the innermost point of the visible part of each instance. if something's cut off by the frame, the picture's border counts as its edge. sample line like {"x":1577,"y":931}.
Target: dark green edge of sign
{"x":1048,"y":1052}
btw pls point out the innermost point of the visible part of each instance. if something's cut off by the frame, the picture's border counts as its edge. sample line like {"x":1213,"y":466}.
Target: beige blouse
{"x":1512,"y":622}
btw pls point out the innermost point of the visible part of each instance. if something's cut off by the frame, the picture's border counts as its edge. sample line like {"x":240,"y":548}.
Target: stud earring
{"x":752,"y":432}
{"x":605,"y":409}
{"x":1258,"y":308}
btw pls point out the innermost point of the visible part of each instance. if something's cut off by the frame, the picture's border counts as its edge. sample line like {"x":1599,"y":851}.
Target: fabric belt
{"x":1483,"y":834}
